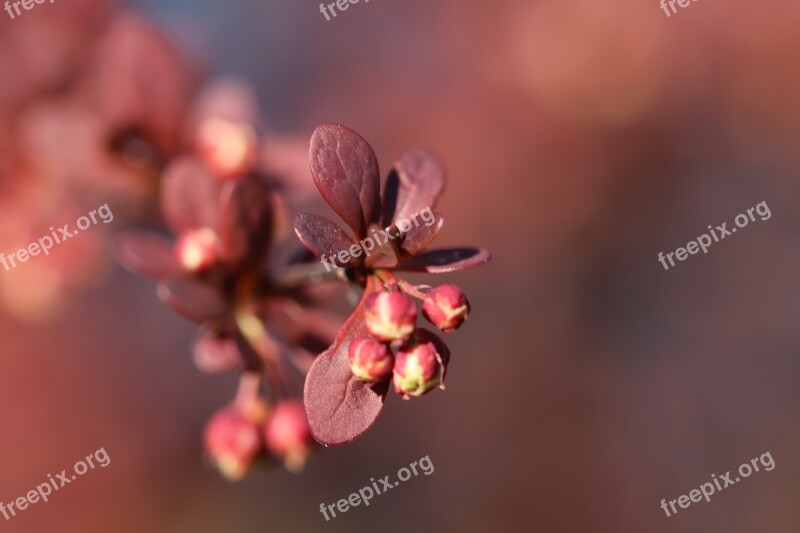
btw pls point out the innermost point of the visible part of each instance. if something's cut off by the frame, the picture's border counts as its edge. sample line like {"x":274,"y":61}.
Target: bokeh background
{"x":582,"y":138}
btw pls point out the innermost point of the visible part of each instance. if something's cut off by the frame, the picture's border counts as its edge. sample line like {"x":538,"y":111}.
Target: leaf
{"x":308,"y":328}
{"x":445,"y":260}
{"x":323,"y":237}
{"x":386,"y":255}
{"x":345,"y":169}
{"x":419,"y":237}
{"x":147,"y":254}
{"x":189,"y":195}
{"x":339,"y":406}
{"x":137,"y":76}
{"x":416,"y":181}
{"x":193,"y":299}
{"x":245,"y":220}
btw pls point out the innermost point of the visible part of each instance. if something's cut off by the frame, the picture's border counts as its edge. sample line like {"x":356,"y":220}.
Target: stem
{"x":249,"y":387}
{"x":411,"y":290}
{"x":256,"y":334}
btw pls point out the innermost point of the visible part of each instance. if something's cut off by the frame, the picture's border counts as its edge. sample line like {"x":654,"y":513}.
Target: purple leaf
{"x":341,"y":407}
{"x":245,"y":220}
{"x":445,"y":260}
{"x":384,"y":257}
{"x":416,"y":181}
{"x":386,"y":254}
{"x":189,"y":195}
{"x":419,"y":237}
{"x":323,"y":237}
{"x":345,"y":170}
{"x":147,"y":254}
{"x":193,"y":299}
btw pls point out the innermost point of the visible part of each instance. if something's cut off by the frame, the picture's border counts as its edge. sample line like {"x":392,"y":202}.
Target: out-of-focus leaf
{"x":147,"y":254}
{"x":189,"y":195}
{"x":311,"y":329}
{"x":136,"y":77}
{"x":193,"y":299}
{"x":323,"y":237}
{"x":341,"y":407}
{"x":345,"y":169}
{"x":416,"y":181}
{"x":419,"y":237}
{"x":445,"y":260}
{"x":245,"y":220}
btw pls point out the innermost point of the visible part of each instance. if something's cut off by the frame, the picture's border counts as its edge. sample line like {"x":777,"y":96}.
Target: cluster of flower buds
{"x":237,"y":435}
{"x":420,"y":358}
{"x":257,"y":298}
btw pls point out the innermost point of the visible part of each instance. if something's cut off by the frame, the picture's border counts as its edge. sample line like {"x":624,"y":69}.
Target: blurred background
{"x":582,"y":139}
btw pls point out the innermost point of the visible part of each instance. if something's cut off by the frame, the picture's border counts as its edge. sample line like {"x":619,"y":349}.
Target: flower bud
{"x":197,"y":249}
{"x":288,"y":435}
{"x":446,"y":307}
{"x":419,"y":366}
{"x":227,"y":147}
{"x":370,"y":360}
{"x":390,"y":316}
{"x":232,"y":441}
{"x":216,"y":353}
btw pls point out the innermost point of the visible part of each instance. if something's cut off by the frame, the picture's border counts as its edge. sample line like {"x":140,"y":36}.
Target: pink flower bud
{"x":390,"y":315}
{"x":288,"y":435}
{"x":216,"y":353}
{"x":446,"y":307}
{"x":232,"y":441}
{"x":197,"y":249}
{"x":419,"y":366}
{"x":370,"y":360}
{"x":227,"y":147}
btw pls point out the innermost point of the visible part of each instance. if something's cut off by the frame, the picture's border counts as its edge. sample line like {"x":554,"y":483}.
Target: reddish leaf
{"x":309,"y":328}
{"x":345,"y":170}
{"x":416,"y":181}
{"x":189,"y":195}
{"x":137,"y":77}
{"x":245,"y":220}
{"x":445,"y":260}
{"x":147,"y":254}
{"x":341,"y":407}
{"x":323,"y":237}
{"x":193,"y":299}
{"x":419,"y":237}
{"x":386,"y":255}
